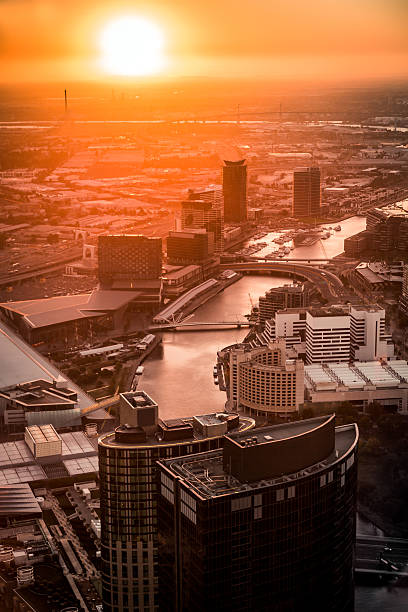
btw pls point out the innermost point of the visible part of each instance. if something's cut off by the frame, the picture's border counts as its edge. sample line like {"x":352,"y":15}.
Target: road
{"x":328,"y":284}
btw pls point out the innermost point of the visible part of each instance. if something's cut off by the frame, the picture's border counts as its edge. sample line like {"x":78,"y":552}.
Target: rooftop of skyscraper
{"x":205,"y":474}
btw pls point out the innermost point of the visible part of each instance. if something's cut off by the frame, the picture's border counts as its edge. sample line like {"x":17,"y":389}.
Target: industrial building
{"x":306,"y":192}
{"x":234,"y":186}
{"x":359,"y":383}
{"x":262,"y":381}
{"x":128,"y":490}
{"x":267,"y":523}
{"x":38,"y":402}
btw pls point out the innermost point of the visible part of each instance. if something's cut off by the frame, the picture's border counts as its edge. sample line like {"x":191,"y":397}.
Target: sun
{"x":132,"y":46}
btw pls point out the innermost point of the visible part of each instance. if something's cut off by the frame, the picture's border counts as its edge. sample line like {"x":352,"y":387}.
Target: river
{"x":178,"y":375}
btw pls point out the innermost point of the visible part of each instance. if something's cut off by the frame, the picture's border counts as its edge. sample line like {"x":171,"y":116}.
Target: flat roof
{"x":205,"y":477}
{"x":18,"y":498}
{"x":43,"y":433}
{"x":24,"y":364}
{"x":282,"y":431}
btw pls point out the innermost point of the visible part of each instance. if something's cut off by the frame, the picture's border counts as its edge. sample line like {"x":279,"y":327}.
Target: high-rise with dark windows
{"x":127,"y":259}
{"x":306,"y":192}
{"x":234,"y":186}
{"x":204,"y":214}
{"x":128,"y":489}
{"x":266,"y":524}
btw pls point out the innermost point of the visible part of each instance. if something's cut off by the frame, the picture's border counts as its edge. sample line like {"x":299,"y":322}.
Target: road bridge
{"x":328,"y":284}
{"x":381,"y":556}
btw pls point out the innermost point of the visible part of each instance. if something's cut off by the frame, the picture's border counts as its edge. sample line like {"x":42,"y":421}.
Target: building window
{"x":291,"y":492}
{"x":280,"y":494}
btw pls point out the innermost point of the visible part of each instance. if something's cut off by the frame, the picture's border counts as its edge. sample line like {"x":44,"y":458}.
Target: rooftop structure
{"x":361,"y":383}
{"x":38,"y":401}
{"x":67,"y":456}
{"x":247,"y":507}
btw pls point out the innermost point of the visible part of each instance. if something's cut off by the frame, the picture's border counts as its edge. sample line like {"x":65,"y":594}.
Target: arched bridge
{"x":327,"y":283}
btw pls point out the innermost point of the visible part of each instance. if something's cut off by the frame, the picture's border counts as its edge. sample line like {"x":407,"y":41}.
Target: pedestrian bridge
{"x":197,"y":325}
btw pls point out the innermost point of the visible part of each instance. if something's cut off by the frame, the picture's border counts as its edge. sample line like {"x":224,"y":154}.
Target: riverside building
{"x":279,"y":298}
{"x":333,"y":333}
{"x":266,"y":524}
{"x":306,"y":192}
{"x":128,"y":490}
{"x":262,"y":381}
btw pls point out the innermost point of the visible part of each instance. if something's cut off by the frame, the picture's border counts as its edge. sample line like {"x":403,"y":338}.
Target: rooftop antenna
{"x":66,"y":101}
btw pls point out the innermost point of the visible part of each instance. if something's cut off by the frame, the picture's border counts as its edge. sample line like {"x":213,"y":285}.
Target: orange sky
{"x":331,"y":40}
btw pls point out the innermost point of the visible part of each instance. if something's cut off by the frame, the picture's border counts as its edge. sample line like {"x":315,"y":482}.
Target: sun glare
{"x":132,"y":46}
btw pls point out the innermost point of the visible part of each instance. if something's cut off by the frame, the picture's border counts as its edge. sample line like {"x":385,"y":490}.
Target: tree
{"x":375,"y":410}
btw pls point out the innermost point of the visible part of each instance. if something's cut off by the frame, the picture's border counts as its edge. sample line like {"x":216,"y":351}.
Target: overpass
{"x":327,"y":283}
{"x":381,"y":556}
{"x":180,"y":325}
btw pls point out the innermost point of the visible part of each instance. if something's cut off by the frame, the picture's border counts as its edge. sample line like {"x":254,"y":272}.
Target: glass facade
{"x":280,"y":545}
{"x":129,"y":493}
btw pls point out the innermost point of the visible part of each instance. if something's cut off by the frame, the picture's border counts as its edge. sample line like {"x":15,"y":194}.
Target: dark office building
{"x":306,"y":192}
{"x":389,"y":230}
{"x":234,"y":186}
{"x":279,"y":298}
{"x":188,"y":247}
{"x":123,"y":260}
{"x":357,"y":244}
{"x":266,"y":524}
{"x":204,"y":214}
{"x":128,"y":489}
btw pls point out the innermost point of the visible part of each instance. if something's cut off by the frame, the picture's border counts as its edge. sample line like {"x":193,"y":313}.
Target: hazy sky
{"x":325,"y":39}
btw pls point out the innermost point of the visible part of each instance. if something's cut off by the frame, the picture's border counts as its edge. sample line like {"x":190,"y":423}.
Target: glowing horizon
{"x":355,"y":40}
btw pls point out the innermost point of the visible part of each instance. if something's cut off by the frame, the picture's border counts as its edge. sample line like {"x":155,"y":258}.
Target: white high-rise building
{"x":327,"y":335}
{"x":369,"y":341}
{"x":333,"y":333}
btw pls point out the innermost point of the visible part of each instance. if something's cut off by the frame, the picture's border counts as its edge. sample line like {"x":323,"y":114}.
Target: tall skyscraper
{"x":306,"y":192}
{"x":128,"y":473}
{"x":234,"y":186}
{"x":203,"y":214}
{"x":266,"y":524}
{"x":128,"y":258}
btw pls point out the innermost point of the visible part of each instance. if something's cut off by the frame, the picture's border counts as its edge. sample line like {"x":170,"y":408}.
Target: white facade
{"x":368,"y":338}
{"x":327,"y":338}
{"x":262,"y":380}
{"x":338,"y":333}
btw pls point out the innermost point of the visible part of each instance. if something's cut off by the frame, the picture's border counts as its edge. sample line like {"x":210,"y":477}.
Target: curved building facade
{"x":262,"y":380}
{"x":128,"y":492}
{"x":266,"y":524}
